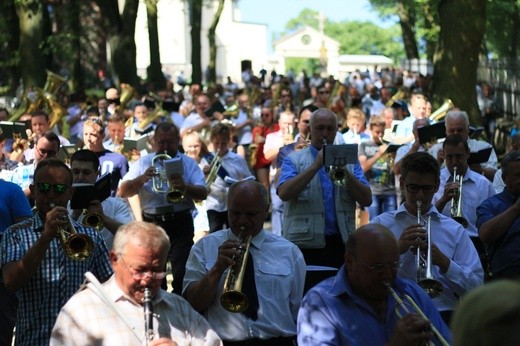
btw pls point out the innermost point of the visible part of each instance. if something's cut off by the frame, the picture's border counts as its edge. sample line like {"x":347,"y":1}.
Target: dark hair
{"x":312,"y":108}
{"x":40,"y":113}
{"x":220,"y":129}
{"x":50,"y":136}
{"x":512,"y":156}
{"x":455,"y":140}
{"x":420,"y":162}
{"x":166,"y":127}
{"x":86,"y":155}
{"x":52,"y":162}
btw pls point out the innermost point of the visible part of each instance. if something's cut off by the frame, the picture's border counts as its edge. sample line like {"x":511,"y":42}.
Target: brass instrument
{"x":232,"y":111}
{"x":160,"y":182}
{"x":77,"y":246}
{"x":148,"y":316}
{"x":442,"y":110}
{"x":157,"y":113}
{"x":424,"y":264}
{"x":215,"y":165}
{"x":54,"y":82}
{"x":417,"y":310}
{"x":93,"y":220}
{"x":456,"y":202}
{"x":127,"y":94}
{"x":232,"y":298}
{"x":338,"y":174}
{"x":400,"y":94}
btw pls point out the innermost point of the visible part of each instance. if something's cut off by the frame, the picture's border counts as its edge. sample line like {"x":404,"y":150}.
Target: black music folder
{"x":11,"y":129}
{"x":84,"y":193}
{"x":340,"y":155}
{"x":392,"y":148}
{"x":432,"y":133}
{"x":480,"y":156}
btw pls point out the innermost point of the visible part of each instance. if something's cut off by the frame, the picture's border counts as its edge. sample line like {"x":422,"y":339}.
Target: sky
{"x":276,"y":13}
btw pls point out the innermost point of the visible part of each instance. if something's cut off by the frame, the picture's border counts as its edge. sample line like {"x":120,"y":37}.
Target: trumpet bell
{"x":339,"y":176}
{"x":93,"y":220}
{"x":234,"y":301}
{"x":431,"y":286}
{"x":174,"y":196}
{"x":78,"y":247}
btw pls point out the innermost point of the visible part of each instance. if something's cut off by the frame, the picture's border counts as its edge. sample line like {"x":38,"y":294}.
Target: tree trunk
{"x":407,"y":22}
{"x":154,"y":71}
{"x":456,"y":58}
{"x":32,"y":19}
{"x":212,"y":44}
{"x":196,"y":26}
{"x":72,"y":25}
{"x":9,"y":55}
{"x":121,"y":31}
{"x":431,"y":26}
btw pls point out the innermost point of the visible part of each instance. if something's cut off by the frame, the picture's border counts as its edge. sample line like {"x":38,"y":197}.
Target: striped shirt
{"x":55,"y":281}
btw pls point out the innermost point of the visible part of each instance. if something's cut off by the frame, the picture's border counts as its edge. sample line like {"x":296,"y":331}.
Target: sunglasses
{"x":58,"y":188}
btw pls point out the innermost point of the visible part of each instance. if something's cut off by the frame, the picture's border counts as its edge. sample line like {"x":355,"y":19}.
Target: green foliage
{"x":300,"y":64}
{"x":305,"y":18}
{"x":58,"y":44}
{"x":502,"y":16}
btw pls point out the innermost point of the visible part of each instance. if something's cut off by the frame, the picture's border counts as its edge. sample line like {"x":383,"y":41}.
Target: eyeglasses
{"x":141,"y":274}
{"x":412,"y":188}
{"x":266,"y":114}
{"x":49,"y":153}
{"x":322,"y":92}
{"x":379,"y":268}
{"x":58,"y":188}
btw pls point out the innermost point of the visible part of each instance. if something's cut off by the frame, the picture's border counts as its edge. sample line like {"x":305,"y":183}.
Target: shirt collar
{"x":256,"y":242}
{"x":402,"y":213}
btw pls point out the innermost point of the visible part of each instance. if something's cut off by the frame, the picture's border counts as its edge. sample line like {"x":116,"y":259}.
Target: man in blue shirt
{"x":356,"y":306}
{"x":498,"y":222}
{"x":318,"y":214}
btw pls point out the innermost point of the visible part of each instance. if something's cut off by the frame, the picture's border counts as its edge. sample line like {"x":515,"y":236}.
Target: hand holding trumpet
{"x":412,"y":329}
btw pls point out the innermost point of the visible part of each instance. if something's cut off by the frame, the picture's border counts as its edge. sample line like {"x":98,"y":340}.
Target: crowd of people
{"x":218,"y":217}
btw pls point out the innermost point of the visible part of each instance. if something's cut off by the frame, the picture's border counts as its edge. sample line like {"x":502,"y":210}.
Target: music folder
{"x":10,"y":129}
{"x":84,"y":193}
{"x":480,"y":156}
{"x":431,"y":133}
{"x":392,"y":148}
{"x":140,"y":143}
{"x":340,"y":155}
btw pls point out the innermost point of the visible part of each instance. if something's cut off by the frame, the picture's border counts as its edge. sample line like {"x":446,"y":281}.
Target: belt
{"x":162,"y":214}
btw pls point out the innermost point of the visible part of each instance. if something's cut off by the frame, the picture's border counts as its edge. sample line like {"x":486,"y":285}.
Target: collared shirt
{"x":405,"y":127}
{"x":273,"y":140}
{"x":192,"y":175}
{"x":504,"y":253}
{"x":55,"y":281}
{"x":245,"y":134}
{"x":465,"y":271}
{"x":237,"y":169}
{"x":332,"y":314}
{"x":7,"y":164}
{"x":475,"y":189}
{"x":474,"y":146}
{"x":279,"y":275}
{"x":289,"y":171}
{"x":404,"y":149}
{"x":87,"y":320}
{"x":498,"y":181}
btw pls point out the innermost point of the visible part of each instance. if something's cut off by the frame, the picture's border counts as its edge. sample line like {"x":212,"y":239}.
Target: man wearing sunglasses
{"x":33,"y":260}
{"x":455,"y":263}
{"x":47,"y":145}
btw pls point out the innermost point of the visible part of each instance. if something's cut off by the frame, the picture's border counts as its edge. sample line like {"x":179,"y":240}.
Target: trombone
{"x":423,"y":264}
{"x":416,"y":309}
{"x":456,"y":202}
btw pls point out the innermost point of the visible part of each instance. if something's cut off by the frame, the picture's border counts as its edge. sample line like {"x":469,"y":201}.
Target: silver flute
{"x":148,"y":315}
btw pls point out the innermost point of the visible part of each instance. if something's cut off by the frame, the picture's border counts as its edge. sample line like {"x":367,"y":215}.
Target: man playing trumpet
{"x":356,"y":307}
{"x":454,"y":261}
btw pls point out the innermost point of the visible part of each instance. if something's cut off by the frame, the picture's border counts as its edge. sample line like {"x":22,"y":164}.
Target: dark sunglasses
{"x":58,"y":188}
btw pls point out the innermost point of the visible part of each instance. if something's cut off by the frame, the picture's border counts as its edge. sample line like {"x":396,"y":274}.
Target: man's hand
{"x":412,"y":237}
{"x":411,"y":330}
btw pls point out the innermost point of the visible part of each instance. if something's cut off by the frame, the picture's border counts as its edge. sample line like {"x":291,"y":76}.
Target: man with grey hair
{"x":457,"y":122}
{"x":138,"y":258}
{"x":318,"y":214}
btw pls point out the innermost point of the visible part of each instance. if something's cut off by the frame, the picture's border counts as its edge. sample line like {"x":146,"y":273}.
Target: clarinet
{"x":148,"y":316}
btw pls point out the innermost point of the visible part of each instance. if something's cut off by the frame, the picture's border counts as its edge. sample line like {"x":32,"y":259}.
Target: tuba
{"x":77,"y":246}
{"x":160,"y":182}
{"x":442,"y":110}
{"x":424,"y":264}
{"x":456,"y":202}
{"x":232,"y":298}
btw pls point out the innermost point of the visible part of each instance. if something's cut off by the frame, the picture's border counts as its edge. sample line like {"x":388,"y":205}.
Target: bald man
{"x":355,"y":307}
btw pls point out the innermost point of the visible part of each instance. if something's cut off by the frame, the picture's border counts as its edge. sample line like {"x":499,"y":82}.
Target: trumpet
{"x":160,"y":182}
{"x":456,"y":202}
{"x":215,"y":165}
{"x":423,"y":264}
{"x":93,"y":220}
{"x":77,"y":246}
{"x":232,"y":298}
{"x":338,"y":174}
{"x":416,"y":309}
